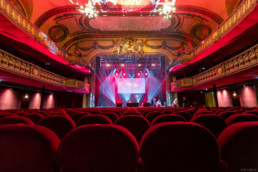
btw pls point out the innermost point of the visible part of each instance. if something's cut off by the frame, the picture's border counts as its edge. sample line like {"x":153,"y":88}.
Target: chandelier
{"x":89,"y":10}
{"x":167,"y":9}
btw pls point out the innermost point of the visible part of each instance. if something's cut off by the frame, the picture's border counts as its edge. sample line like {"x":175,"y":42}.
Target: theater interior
{"x":128,"y":86}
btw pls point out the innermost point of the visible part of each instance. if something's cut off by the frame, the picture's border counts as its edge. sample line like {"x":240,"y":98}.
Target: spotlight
{"x":234,"y":94}
{"x":116,"y":74}
{"x":146,"y":74}
{"x":108,"y":65}
{"x":124,"y":74}
{"x":122,"y":65}
{"x":139,"y":65}
{"x":153,"y":64}
{"x":138,"y":74}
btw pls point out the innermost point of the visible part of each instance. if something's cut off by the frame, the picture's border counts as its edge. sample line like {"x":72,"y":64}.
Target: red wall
{"x":14,"y":99}
{"x":35,"y":101}
{"x":247,"y":97}
{"x":224,"y":98}
{"x":49,"y":101}
{"x":9,"y":99}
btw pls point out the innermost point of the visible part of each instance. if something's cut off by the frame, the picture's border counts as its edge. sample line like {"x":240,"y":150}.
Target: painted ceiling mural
{"x":87,"y":37}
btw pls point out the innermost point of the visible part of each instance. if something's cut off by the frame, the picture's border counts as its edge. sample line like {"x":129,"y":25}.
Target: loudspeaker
{"x":162,"y":62}
{"x":97,"y":63}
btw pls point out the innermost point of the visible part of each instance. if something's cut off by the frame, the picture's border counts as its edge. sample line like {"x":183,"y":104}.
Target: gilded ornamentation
{"x":239,"y":63}
{"x":130,"y":47}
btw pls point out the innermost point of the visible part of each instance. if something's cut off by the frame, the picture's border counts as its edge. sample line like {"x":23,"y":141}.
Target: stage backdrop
{"x":129,"y":88}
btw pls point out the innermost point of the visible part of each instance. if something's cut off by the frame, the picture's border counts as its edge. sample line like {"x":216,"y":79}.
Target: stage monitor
{"x":132,"y":104}
{"x":131,"y":85}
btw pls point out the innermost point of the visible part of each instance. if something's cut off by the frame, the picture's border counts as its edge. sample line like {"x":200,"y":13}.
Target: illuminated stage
{"x":130,"y":81}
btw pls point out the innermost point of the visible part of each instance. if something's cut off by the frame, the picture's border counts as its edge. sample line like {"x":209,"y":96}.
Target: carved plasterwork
{"x":130,"y":47}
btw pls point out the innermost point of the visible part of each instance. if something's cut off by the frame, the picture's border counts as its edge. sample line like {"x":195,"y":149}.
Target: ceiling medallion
{"x":168,"y":8}
{"x":89,"y":10}
{"x":130,"y":48}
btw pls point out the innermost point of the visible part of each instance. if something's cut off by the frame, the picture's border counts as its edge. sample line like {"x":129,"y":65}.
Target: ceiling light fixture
{"x":89,"y":10}
{"x":168,"y":8}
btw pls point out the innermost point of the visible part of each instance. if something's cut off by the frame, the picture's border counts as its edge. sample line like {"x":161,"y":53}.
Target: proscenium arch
{"x":93,"y":59}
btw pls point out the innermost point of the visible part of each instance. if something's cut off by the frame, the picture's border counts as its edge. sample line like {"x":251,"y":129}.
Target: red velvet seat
{"x":112,"y":116}
{"x":238,"y":144}
{"x":226,"y":114}
{"x":6,"y":114}
{"x":15,"y":120}
{"x":35,"y":117}
{"x":27,"y":148}
{"x":77,"y":116}
{"x":213,"y":123}
{"x":136,"y":124}
{"x":59,"y":124}
{"x":186,"y":115}
{"x":93,"y":119}
{"x":168,"y":118}
{"x":152,"y":115}
{"x":98,"y":148}
{"x":179,"y":146}
{"x":241,"y":118}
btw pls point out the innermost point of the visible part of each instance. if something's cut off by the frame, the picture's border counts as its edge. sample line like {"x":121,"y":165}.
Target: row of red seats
{"x":170,"y":146}
{"x":179,"y":146}
{"x":137,"y":123}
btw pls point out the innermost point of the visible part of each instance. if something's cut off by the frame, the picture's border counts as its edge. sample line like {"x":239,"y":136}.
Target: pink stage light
{"x":139,"y":74}
{"x":116,"y":74}
{"x":124,"y":74}
{"x":146,"y":74}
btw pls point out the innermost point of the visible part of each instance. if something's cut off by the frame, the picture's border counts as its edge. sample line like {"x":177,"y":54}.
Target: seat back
{"x":238,"y":146}
{"x":136,"y":124}
{"x":15,"y":120}
{"x":226,"y":114}
{"x":27,"y":148}
{"x":213,"y":123}
{"x":241,"y":118}
{"x":112,"y":116}
{"x":35,"y":117}
{"x":98,"y":148}
{"x":93,"y":119}
{"x":186,"y":115}
{"x":167,"y":118}
{"x":179,"y":146}
{"x":59,"y":124}
{"x":77,"y":116}
{"x":152,"y":115}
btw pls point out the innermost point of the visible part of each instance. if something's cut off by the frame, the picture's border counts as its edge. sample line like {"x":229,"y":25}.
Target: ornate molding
{"x":238,"y":15}
{"x":239,"y":63}
{"x":9,"y":11}
{"x":72,"y":83}
{"x":13,"y":64}
{"x":129,"y":47}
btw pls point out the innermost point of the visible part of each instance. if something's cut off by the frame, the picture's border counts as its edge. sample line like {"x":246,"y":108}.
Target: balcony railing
{"x":13,"y":64}
{"x":239,"y":14}
{"x":239,"y":63}
{"x":9,"y":10}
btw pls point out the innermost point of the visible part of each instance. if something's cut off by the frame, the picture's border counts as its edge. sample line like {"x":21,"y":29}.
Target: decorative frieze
{"x":21,"y":67}
{"x":239,"y":63}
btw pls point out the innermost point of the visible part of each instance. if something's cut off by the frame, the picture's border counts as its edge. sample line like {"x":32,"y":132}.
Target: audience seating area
{"x":143,"y":139}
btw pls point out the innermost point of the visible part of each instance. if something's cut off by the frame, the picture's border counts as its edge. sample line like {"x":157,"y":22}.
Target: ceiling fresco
{"x":81,"y":36}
